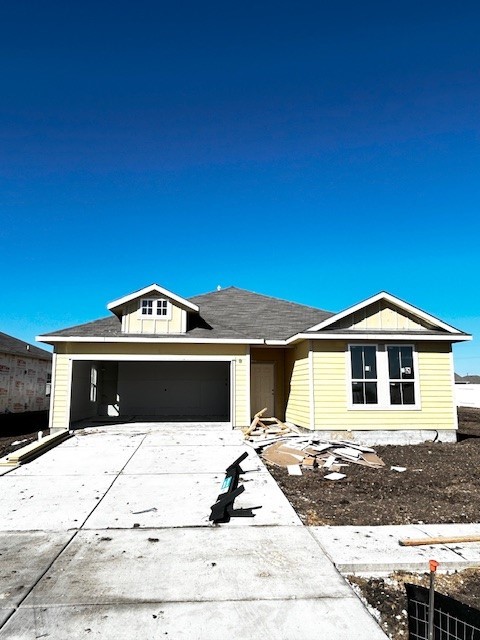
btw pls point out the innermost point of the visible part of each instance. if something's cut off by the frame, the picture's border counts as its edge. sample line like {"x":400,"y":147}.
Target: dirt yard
{"x":441,"y":484}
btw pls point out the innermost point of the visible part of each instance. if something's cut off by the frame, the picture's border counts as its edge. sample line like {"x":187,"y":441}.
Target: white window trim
{"x":383,"y":379}
{"x":154,"y":316}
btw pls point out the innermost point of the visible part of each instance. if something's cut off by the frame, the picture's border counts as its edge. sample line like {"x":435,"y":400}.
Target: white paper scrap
{"x":347,"y":451}
{"x":399,"y":469}
{"x":334,"y":476}
{"x":294,"y":470}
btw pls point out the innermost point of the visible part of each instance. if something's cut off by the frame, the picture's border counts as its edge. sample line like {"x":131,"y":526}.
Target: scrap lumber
{"x":255,"y":422}
{"x":416,"y":542}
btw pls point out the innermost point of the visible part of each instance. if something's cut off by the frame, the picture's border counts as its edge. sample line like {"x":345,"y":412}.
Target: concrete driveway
{"x":108,"y":536}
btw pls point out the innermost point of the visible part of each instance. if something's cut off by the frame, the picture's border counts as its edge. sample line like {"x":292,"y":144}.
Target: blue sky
{"x":314,"y":151}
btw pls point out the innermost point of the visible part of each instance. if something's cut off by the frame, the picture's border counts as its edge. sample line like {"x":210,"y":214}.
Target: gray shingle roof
{"x":15,"y":347}
{"x":230,"y":313}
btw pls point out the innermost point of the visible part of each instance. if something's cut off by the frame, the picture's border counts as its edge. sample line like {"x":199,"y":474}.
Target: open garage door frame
{"x":114,"y":358}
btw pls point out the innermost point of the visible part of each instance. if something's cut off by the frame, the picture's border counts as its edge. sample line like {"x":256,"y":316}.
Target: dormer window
{"x":155,"y":308}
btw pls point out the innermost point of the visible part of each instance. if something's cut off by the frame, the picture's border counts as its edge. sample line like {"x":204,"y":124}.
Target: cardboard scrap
{"x":283,"y":445}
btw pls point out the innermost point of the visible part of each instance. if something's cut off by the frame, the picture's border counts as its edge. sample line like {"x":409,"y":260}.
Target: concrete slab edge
{"x":368,"y":568}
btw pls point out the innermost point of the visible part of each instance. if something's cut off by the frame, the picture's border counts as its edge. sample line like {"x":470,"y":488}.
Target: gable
{"x":386,"y":313}
{"x":152,"y":310}
{"x":382,"y":315}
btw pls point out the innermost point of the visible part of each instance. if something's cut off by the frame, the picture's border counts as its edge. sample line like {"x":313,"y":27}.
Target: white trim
{"x":49,"y":339}
{"x":149,"y":289}
{"x":418,"y":337}
{"x":52,"y":390}
{"x":383,"y":295}
{"x":383,"y":380}
{"x":311,"y":377}
{"x":163,"y":358}
{"x":249,"y":384}
{"x":116,"y":357}
{"x":68,"y":404}
{"x":233,"y":385}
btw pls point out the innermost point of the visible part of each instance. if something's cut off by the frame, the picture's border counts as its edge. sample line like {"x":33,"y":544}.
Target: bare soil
{"x":441,"y":484}
{"x":387,"y":596}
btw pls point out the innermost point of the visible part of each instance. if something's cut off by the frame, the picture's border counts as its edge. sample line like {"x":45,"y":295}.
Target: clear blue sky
{"x":314,"y":151}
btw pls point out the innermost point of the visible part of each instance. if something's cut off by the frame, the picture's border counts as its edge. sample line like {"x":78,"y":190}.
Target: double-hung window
{"x":157,"y":307}
{"x":383,"y":376}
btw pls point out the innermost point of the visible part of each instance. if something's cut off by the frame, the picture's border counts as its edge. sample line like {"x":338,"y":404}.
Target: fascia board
{"x":150,"y":289}
{"x":54,"y":339}
{"x":383,"y":295}
{"x":380,"y":336}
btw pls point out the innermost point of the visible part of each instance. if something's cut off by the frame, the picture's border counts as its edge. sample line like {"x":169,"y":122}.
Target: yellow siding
{"x":381,"y":315}
{"x":60,"y":394}
{"x":133,"y":322}
{"x":437,"y":409}
{"x":297,"y":392}
{"x":66,"y":351}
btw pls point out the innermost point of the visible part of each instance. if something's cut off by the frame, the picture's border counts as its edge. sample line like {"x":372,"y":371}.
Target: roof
{"x":15,"y":347}
{"x":238,"y":315}
{"x":227,"y":314}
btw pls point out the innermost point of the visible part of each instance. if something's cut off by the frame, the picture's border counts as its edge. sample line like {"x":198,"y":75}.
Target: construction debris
{"x":334,"y":476}
{"x":283,"y":445}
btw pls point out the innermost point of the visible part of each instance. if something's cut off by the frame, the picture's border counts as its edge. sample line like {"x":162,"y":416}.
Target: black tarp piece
{"x":453,"y":620}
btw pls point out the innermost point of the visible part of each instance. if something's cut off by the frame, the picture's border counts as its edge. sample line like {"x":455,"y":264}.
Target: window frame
{"x":383,"y":378}
{"x":155,"y":315}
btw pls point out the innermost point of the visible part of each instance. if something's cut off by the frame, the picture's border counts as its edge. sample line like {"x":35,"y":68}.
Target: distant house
{"x":380,"y":369}
{"x":467,"y":391}
{"x":25,"y":374}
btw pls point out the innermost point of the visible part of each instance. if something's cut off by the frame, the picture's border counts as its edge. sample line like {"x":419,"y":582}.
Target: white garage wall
{"x":174,"y":389}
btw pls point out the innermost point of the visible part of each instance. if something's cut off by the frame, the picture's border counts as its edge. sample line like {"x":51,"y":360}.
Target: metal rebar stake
{"x":431,"y":601}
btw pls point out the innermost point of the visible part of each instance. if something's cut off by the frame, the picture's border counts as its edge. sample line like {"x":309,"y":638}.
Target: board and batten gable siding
{"x":331,"y":364}
{"x":381,"y":315}
{"x":68,"y":351}
{"x":298,"y":389}
{"x":134,"y":322}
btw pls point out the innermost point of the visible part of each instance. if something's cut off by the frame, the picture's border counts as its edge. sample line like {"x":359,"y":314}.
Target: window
{"x":383,"y":376}
{"x":401,"y":375}
{"x":155,"y":308}
{"x":93,"y":383}
{"x":364,"y":374}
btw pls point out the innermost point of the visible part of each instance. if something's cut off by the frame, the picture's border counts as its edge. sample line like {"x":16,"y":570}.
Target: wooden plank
{"x":416,"y":542}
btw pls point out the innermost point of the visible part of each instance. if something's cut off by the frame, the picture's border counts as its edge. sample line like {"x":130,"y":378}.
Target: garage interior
{"x":166,"y":391}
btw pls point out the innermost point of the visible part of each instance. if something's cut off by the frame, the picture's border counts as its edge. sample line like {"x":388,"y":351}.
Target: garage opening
{"x":166,"y":391}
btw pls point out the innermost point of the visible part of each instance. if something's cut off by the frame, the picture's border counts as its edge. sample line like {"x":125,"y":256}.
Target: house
{"x":25,"y":372}
{"x":467,"y":391}
{"x":381,"y":369}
